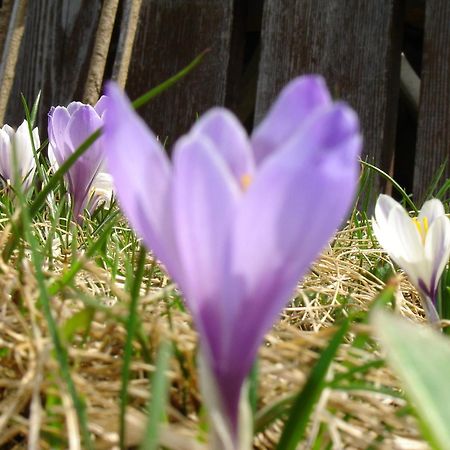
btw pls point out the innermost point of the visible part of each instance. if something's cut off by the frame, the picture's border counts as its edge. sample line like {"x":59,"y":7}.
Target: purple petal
{"x":230,"y":140}
{"x":295,"y":104}
{"x":204,"y":200}
{"x":141,"y":172}
{"x":74,"y":107}
{"x":288,"y":215}
{"x":102,"y":105}
{"x":83,"y":122}
{"x":58,"y":118}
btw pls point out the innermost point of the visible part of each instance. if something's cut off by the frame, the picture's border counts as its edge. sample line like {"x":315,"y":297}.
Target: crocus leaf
{"x":420,"y":357}
{"x":303,"y":405}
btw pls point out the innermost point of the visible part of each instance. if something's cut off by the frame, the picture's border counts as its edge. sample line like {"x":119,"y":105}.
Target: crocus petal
{"x":385,"y":204}
{"x":295,"y":104}
{"x":431,"y":209}
{"x":24,"y":149}
{"x":141,"y":173}
{"x":205,"y":195}
{"x":5,"y":153}
{"x":406,"y":236}
{"x":230,"y":140}
{"x":58,"y":120}
{"x":83,"y":122}
{"x":74,"y":106}
{"x":102,"y":105}
{"x":101,"y":191}
{"x":280,"y":228}
{"x":437,"y":247}
{"x":20,"y":143}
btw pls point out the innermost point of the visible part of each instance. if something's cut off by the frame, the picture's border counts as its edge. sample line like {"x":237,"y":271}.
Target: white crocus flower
{"x":419,"y":245}
{"x":20,"y":142}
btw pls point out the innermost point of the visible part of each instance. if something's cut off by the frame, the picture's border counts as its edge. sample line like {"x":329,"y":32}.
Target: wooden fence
{"x":67,"y":48}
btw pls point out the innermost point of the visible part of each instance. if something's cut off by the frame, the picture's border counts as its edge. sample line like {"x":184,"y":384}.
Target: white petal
{"x":24,"y":150}
{"x":437,"y":246}
{"x":385,"y":204}
{"x":409,"y":240}
{"x":5,"y":153}
{"x":387,"y":239}
{"x":432,"y":209}
{"x":103,"y":186}
{"x":54,"y":166}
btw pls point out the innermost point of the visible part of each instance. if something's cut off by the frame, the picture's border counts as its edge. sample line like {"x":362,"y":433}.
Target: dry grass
{"x":35,"y":404}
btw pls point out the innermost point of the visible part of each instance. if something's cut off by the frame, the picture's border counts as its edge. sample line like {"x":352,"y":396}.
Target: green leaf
{"x":305,"y":401}
{"x":421,"y":358}
{"x":159,"y":395}
{"x":80,"y":321}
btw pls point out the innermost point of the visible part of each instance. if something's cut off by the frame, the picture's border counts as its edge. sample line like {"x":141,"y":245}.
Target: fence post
{"x":433,"y":134}
{"x":354,"y":44}
{"x":54,"y":55}
{"x":170,"y":33}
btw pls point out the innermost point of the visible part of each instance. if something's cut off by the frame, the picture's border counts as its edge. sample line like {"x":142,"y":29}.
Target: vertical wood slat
{"x":6,"y":8}
{"x":170,"y":34}
{"x":128,"y":28}
{"x":94,"y":81}
{"x":55,"y":54}
{"x":354,"y":44}
{"x":433,"y":135}
{"x":12,"y":18}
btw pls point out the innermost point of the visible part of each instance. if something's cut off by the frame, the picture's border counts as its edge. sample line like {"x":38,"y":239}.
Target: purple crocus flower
{"x":68,"y":128}
{"x":237,"y":221}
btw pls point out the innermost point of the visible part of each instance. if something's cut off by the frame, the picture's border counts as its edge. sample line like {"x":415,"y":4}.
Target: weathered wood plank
{"x":433,"y":136}
{"x":12,"y":18}
{"x":170,"y":34}
{"x":130,"y":10}
{"x":354,"y":44}
{"x":94,"y":82}
{"x":6,"y":8}
{"x":55,"y":54}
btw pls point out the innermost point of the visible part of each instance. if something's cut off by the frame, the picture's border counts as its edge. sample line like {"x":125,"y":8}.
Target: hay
{"x":34,"y":403}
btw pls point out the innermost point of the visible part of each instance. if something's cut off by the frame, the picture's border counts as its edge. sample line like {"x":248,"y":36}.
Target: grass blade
{"x":152,"y":93}
{"x":303,"y":405}
{"x":405,"y":196}
{"x":159,"y":395}
{"x":44,"y":301}
{"x":131,"y":328}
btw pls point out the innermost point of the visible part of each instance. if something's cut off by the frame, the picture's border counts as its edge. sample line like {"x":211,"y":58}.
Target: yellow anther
{"x":246,"y":180}
{"x":422,"y":227}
